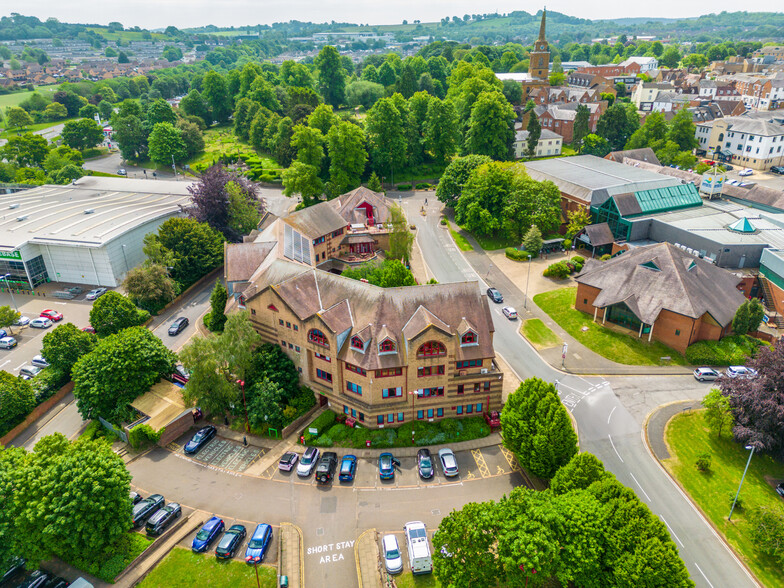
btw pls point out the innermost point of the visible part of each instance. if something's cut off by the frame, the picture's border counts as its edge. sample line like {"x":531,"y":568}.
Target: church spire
{"x":541,"y":26}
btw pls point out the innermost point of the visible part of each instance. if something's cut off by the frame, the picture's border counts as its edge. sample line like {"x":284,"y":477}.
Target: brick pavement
{"x":291,"y":562}
{"x":367,"y":559}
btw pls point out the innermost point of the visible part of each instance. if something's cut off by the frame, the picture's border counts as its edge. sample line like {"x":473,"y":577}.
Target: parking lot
{"x":219,"y":452}
{"x":474,"y":464}
{"x":270,"y":557}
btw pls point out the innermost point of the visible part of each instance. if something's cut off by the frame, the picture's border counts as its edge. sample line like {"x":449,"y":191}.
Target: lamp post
{"x":729,"y":518}
{"x":245,"y":404}
{"x":527,"y":279}
{"x":127,"y":269}
{"x":5,"y":277}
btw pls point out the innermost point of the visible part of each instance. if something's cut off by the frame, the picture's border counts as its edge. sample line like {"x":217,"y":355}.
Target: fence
{"x":119,"y":432}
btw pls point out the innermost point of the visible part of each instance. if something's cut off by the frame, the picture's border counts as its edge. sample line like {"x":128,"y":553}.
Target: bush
{"x":703,"y":462}
{"x":48,"y":382}
{"x":605,"y":257}
{"x":404,"y":187}
{"x":443,"y":221}
{"x":108,"y":565}
{"x":142,"y":436}
{"x":322,"y":422}
{"x":731,"y":350}
{"x":731,"y":498}
{"x":557,"y":270}
{"x":567,"y":244}
{"x":578,"y":259}
{"x":424,"y":186}
{"x":516,"y":254}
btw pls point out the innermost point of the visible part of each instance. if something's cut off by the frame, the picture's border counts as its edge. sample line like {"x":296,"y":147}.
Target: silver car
{"x":22,"y":321}
{"x":706,"y":374}
{"x":7,"y":343}
{"x":39,"y":361}
{"x":28,"y":372}
{"x":740,"y":371}
{"x":41,"y":323}
{"x":393,"y":560}
{"x":97,"y":293}
{"x":448,"y":462}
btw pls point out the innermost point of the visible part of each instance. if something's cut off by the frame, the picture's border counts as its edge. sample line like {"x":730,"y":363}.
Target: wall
{"x":37,"y":412}
{"x":176,"y":428}
{"x":585,"y":298}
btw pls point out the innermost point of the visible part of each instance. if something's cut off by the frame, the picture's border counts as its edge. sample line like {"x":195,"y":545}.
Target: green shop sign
{"x":11,"y":254}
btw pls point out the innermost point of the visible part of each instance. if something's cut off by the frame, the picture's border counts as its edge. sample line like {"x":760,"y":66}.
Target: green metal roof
{"x":670,"y":198}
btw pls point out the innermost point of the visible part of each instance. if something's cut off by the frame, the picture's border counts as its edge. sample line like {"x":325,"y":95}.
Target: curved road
{"x":606,"y":426}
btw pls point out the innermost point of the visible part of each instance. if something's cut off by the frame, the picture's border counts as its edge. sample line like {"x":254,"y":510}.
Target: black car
{"x":158,"y":522}
{"x":425,"y":463}
{"x":780,"y":489}
{"x":325,"y":470}
{"x":494,"y":295}
{"x":200,"y":439}
{"x":230,"y":541}
{"x":57,"y":582}
{"x":777,"y":169}
{"x":17,"y":567}
{"x":178,"y":325}
{"x":38,"y":579}
{"x":144,"y":510}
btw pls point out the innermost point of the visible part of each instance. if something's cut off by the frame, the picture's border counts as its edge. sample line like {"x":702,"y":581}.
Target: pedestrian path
{"x":367,"y":558}
{"x":291,"y":562}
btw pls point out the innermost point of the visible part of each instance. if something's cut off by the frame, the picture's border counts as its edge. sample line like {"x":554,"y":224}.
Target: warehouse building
{"x":90,"y":232}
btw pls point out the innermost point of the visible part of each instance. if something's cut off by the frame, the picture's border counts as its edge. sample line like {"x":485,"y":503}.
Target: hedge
{"x":516,"y":254}
{"x":578,"y":259}
{"x":404,"y":187}
{"x":731,"y":350}
{"x":322,"y":422}
{"x":424,"y":186}
{"x":557,"y":270}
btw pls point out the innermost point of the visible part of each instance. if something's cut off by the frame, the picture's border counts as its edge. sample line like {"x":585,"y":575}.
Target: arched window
{"x":317,"y":337}
{"x":721,"y":137}
{"x":431,"y":349}
{"x":469,"y":338}
{"x":357,"y":343}
{"x":387,"y":346}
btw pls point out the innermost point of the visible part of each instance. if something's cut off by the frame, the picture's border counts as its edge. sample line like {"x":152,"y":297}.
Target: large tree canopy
{"x":113,"y":312}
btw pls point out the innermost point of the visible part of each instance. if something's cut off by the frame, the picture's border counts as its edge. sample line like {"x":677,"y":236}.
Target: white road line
{"x":19,"y":366}
{"x":641,"y":488}
{"x":562,"y":385}
{"x":671,"y":531}
{"x":63,"y":303}
{"x":703,"y":575}
{"x":5,"y":362}
{"x":613,"y":446}
{"x":611,"y":413}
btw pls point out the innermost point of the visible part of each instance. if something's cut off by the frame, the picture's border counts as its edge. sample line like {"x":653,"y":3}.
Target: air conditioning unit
{"x":14,"y":205}
{"x":89,"y":210}
{"x":484,"y":370}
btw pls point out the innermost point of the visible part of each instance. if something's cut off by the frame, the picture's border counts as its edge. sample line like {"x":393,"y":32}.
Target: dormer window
{"x":387,"y":346}
{"x":317,"y":337}
{"x":469,"y":338}
{"x":357,"y":344}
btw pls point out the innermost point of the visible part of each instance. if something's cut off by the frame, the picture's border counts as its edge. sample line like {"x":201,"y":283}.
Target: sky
{"x":153,"y":14}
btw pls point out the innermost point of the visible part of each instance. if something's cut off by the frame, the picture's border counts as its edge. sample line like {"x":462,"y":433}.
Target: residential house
{"x":559,"y":118}
{"x":748,"y":141}
{"x":645,"y":93}
{"x":647,"y":64}
{"x":712,"y":89}
{"x":549,"y":144}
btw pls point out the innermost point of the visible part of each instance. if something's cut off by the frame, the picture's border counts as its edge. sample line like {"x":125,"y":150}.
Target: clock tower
{"x":539,"y":58}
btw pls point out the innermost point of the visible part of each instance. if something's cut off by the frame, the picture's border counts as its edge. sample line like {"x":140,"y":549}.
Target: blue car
{"x":348,"y":467}
{"x":258,"y":544}
{"x":207,"y":534}
{"x":386,"y":466}
{"x":200,"y":439}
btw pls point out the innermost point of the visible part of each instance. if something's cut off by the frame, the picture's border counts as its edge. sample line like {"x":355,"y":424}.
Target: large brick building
{"x":661,"y":292}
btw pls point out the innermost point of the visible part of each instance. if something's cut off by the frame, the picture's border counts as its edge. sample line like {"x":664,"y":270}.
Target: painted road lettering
{"x":330,"y":552}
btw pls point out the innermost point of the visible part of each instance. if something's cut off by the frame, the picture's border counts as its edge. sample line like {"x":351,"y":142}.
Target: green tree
{"x":682,"y":130}
{"x":64,"y":345}
{"x":534,"y":132}
{"x":304,"y":180}
{"x":442,"y":135}
{"x":740,"y":322}
{"x":191,"y":137}
{"x":756,"y":314}
{"x":513,"y":92}
{"x":166,"y":144}
{"x":26,"y":150}
{"x":616,"y":125}
{"x":17,"y":118}
{"x":218,"y":299}
{"x":718,"y":411}
{"x":671,"y":57}
{"x":55,"y":111}
{"x":696,"y":60}
{"x":150,"y":286}
{"x":81,"y":134}
{"x":16,"y":401}
{"x":8,"y":316}
{"x":347,"y":155}
{"x":216,"y":94}
{"x":195,"y":105}
{"x":272,"y":363}
{"x":490,"y":127}
{"x":265,"y":405}
{"x":131,"y":135}
{"x":121,"y":368}
{"x":159,"y":111}
{"x":400,"y":237}
{"x":244,"y":214}
{"x":113,"y":312}
{"x":323,"y":118}
{"x":374,"y":183}
{"x":532,"y":240}
{"x":331,"y":76}
{"x":581,"y":126}
{"x":577,"y":219}
{"x":595,"y":145}
{"x":389,"y":274}
{"x":122,"y":57}
{"x":384,"y":127}
{"x":537,"y":428}
{"x":651,"y":134}
{"x":87,"y":111}
{"x":106,"y":108}
{"x":582,"y":470}
{"x":363,"y":93}
{"x":456,"y":174}
{"x":309,"y":143}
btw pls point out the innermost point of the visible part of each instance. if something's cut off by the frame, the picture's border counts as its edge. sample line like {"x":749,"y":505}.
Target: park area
{"x":688,"y":437}
{"x":182,"y":568}
{"x":220,"y":144}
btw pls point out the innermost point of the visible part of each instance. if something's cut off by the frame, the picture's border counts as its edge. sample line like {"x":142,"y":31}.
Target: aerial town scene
{"x":309,"y":295}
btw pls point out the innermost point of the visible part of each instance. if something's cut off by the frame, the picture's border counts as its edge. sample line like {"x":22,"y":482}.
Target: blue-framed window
{"x":401,"y":417}
{"x":345,"y":409}
{"x":420,"y":414}
{"x":355,"y":388}
{"x":460,"y":409}
{"x":324,"y":375}
{"x":469,"y":408}
{"x":380,"y":419}
{"x":430,"y":413}
{"x":479,"y":407}
{"x":391,"y":417}
{"x":440,"y":412}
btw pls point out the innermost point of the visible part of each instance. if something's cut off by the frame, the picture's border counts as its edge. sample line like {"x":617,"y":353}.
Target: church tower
{"x":539,"y":58}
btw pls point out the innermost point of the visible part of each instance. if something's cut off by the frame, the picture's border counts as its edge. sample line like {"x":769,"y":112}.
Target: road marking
{"x":703,"y":575}
{"x":671,"y":531}
{"x":510,"y":459}
{"x":611,"y":413}
{"x":613,"y":446}
{"x":5,"y":362}
{"x":63,"y":303}
{"x":481,"y":463}
{"x":19,"y":366}
{"x":641,"y":488}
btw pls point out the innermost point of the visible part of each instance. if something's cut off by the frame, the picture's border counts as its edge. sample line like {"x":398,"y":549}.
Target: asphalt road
{"x":606,"y":427}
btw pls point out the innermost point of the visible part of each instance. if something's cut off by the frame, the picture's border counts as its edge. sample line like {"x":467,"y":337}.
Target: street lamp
{"x":245,"y":404}
{"x":127,"y":269}
{"x":5,"y":277}
{"x":527,"y":279}
{"x":729,"y":518}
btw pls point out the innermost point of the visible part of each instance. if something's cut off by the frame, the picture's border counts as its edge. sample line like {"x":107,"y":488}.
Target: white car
{"x":448,"y":462}
{"x":746,"y":172}
{"x":7,"y":343}
{"x":97,"y":293}
{"x":706,"y":374}
{"x":393,"y":560}
{"x":39,"y":361}
{"x":22,"y":321}
{"x":740,"y":371}
{"x":509,"y":312}
{"x":41,"y":323}
{"x":308,"y":462}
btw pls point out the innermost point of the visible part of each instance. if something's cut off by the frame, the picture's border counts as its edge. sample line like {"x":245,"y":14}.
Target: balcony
{"x":473,"y":373}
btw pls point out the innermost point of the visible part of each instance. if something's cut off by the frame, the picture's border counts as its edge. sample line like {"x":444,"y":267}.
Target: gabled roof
{"x":642,"y":154}
{"x":338,"y":317}
{"x":632,"y":279}
{"x":599,"y":234}
{"x":346,"y":204}
{"x":242,"y":259}
{"x":421,"y":320}
{"x":316,"y":221}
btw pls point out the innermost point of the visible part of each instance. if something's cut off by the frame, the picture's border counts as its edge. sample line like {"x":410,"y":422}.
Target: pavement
{"x":367,"y":558}
{"x":657,"y":423}
{"x":291,"y":561}
{"x":48,"y":133}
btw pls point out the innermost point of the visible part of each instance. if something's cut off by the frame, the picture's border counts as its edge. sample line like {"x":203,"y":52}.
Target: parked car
{"x":57,"y":582}
{"x":178,"y":325}
{"x":122,"y":172}
{"x":746,"y":172}
{"x":17,"y":567}
{"x":727,"y":166}
{"x":348,"y":467}
{"x":259,"y":544}
{"x":96,"y":293}
{"x":207,"y":534}
{"x":494,"y":295}
{"x":448,"y":462}
{"x":39,"y":361}
{"x":22,"y":321}
{"x":393,"y":560}
{"x":41,"y":323}
{"x":7,"y":343}
{"x":230,"y":541}
{"x":144,"y":509}
{"x":740,"y":371}
{"x":158,"y":522}
{"x":37,"y":579}
{"x":777,"y":169}
{"x":288,"y":460}
{"x":29,"y":371}
{"x":386,"y":466}
{"x":509,"y":312}
{"x":135,"y":497}
{"x":325,"y":470}
{"x":52,"y":315}
{"x":88,"y":329}
{"x":308,"y":461}
{"x":704,"y":374}
{"x":200,"y":439}
{"x":425,"y":463}
{"x":780,"y":489}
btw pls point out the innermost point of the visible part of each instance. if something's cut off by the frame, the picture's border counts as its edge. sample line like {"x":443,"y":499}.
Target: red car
{"x":52,"y":315}
{"x":88,"y":329}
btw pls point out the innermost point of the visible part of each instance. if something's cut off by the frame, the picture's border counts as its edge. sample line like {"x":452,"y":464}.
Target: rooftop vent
{"x":21,"y":218}
{"x":89,"y":210}
{"x":14,"y":205}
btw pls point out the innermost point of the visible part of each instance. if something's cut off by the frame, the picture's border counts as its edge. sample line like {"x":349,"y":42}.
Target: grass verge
{"x":461,"y":242}
{"x":618,"y":347}
{"x":688,"y":437}
{"x":182,"y":568}
{"x":495,"y":242}
{"x":539,"y":334}
{"x":118,"y":556}
{"x":409,"y":580}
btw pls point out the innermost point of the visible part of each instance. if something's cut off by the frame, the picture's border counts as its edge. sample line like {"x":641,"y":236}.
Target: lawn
{"x":182,"y":568}
{"x":6,"y":134}
{"x":496,"y":242}
{"x":461,"y":242}
{"x":16,"y":98}
{"x":618,"y":347}
{"x":539,"y":334}
{"x":688,"y":437}
{"x":409,"y":580}
{"x":419,"y":174}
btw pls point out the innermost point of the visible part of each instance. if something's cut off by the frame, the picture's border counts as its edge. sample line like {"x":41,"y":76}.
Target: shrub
{"x":703,"y":462}
{"x":578,"y":259}
{"x":731,"y":350}
{"x":404,"y":187}
{"x":605,"y":257}
{"x":142,"y":436}
{"x":424,"y":186}
{"x":48,"y":382}
{"x":443,"y":221}
{"x":731,"y":498}
{"x":567,"y":244}
{"x":322,"y":422}
{"x":516,"y":254}
{"x":556,"y":270}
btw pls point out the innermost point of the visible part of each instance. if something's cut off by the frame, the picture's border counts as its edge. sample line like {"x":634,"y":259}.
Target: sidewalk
{"x":657,"y":422}
{"x":291,"y":561}
{"x":367,"y":559}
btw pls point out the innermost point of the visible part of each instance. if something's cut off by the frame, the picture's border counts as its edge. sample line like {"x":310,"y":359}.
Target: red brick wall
{"x":584,"y":301}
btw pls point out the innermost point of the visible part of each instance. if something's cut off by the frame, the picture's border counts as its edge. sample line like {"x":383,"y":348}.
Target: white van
{"x":418,"y":548}
{"x":80,"y":583}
